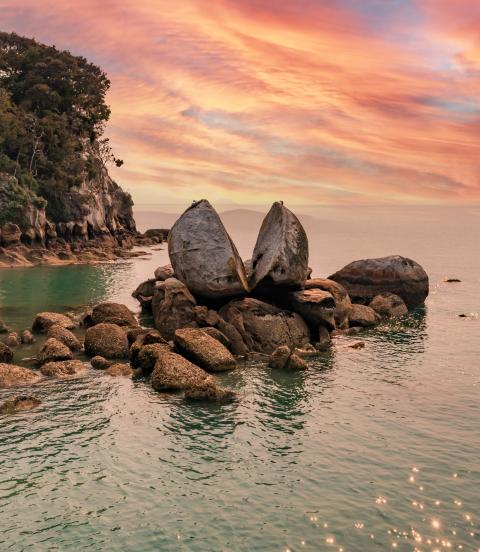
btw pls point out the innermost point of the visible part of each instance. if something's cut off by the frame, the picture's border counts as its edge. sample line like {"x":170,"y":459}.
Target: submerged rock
{"x":203,"y":350}
{"x":15,"y":376}
{"x":172,"y":372}
{"x":107,"y":340}
{"x":203,"y":255}
{"x":280,"y":256}
{"x":361,"y":315}
{"x":19,"y":403}
{"x":65,"y":336}
{"x":116,"y":370}
{"x":209,"y":392}
{"x":395,"y":274}
{"x":339,"y":293}
{"x":315,"y":306}
{"x":264,"y":327}
{"x":6,"y":354}
{"x":27,"y":337}
{"x":3,"y":327}
{"x":388,"y":305}
{"x":284,"y":358}
{"x":44,"y":320}
{"x":173,"y":307}
{"x":53,"y":350}
{"x":113,"y":313}
{"x":63,"y":369}
{"x":13,"y":339}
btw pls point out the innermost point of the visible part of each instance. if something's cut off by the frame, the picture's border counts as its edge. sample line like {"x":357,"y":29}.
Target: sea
{"x":370,"y":449}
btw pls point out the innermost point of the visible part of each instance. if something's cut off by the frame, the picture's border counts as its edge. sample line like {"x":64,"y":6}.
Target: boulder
{"x":19,"y":403}
{"x":279,"y":358}
{"x":65,"y":336}
{"x":172,"y":372}
{"x":44,"y":320}
{"x":280,"y":256}
{"x":147,"y":357}
{"x":264,"y":327}
{"x":3,"y":327}
{"x":203,"y":255}
{"x":395,"y":274}
{"x":63,"y":369}
{"x":118,"y":369}
{"x":6,"y":354}
{"x":339,"y":293}
{"x":13,"y":339}
{"x":14,"y":376}
{"x":204,"y":350}
{"x":388,"y":305}
{"x":27,"y":337}
{"x":173,"y":307}
{"x":219,"y":336}
{"x":100,"y":363}
{"x":209,"y":392}
{"x":113,"y":313}
{"x":53,"y":350}
{"x":361,"y":315}
{"x":107,"y":340}
{"x":315,"y":306}
{"x":144,"y":294}
{"x":163,"y":273}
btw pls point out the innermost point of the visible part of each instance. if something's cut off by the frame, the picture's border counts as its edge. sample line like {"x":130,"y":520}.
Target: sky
{"x":307,"y":101}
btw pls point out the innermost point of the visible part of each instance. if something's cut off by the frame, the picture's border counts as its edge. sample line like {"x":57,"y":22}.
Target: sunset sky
{"x":311,"y":101}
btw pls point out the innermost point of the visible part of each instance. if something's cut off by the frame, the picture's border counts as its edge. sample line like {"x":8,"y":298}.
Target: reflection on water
{"x":369,"y":449}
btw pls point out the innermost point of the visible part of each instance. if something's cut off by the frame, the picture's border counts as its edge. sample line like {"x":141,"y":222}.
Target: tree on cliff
{"x":52,"y":117}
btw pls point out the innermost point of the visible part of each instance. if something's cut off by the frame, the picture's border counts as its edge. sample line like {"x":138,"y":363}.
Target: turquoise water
{"x":370,"y":449}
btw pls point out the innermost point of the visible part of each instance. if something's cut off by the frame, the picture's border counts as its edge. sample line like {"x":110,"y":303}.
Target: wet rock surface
{"x":63,"y":369}
{"x":388,"y":305}
{"x":113,"y":313}
{"x":16,"y":376}
{"x":203,"y":255}
{"x":107,"y":340}
{"x":53,"y":350}
{"x":172,"y":372}
{"x":361,"y":315}
{"x":204,"y":350}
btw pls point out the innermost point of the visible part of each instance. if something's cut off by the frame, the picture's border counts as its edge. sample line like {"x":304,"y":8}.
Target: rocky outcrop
{"x":395,"y":274}
{"x":264,"y":327}
{"x":203,"y":255}
{"x":204,"y":350}
{"x":315,"y":306}
{"x":6,"y":354}
{"x":44,"y":320}
{"x":173,"y":307}
{"x":65,"y":336}
{"x":280,"y":256}
{"x":20,"y":403}
{"x":63,"y":369}
{"x":107,"y":340}
{"x":99,"y":224}
{"x":53,"y":350}
{"x":16,"y":376}
{"x":388,"y":305}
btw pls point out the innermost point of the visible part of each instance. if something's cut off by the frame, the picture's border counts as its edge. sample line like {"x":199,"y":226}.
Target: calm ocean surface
{"x":371,"y":449}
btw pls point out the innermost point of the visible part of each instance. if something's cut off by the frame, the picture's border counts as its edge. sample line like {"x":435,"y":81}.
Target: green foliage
{"x":52,"y":116}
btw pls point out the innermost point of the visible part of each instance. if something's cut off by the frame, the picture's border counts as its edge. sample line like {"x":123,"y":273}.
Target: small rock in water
{"x":357,"y":345}
{"x":107,"y":340}
{"x":13,"y":339}
{"x":204,"y":350}
{"x":16,"y":376}
{"x":6,"y":354}
{"x":27,"y":337}
{"x":279,"y":357}
{"x":388,"y":305}
{"x":100,"y":363}
{"x":53,"y":350}
{"x":113,"y":313}
{"x":172,"y":372}
{"x":3,"y":327}
{"x":451,"y":280}
{"x":295,"y":363}
{"x":19,"y":403}
{"x":64,"y":336}
{"x":361,"y":315}
{"x":209,"y":392}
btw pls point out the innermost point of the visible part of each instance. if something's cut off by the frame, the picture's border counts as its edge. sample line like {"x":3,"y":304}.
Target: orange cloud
{"x":309,"y":101}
